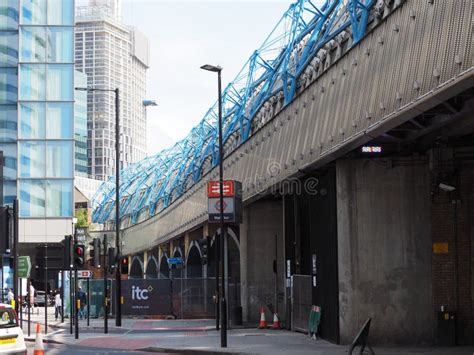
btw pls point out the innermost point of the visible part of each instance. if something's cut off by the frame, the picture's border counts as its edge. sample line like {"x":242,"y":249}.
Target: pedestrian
{"x":10,"y":296}
{"x":58,"y":309}
{"x":81,"y":296}
{"x":31,"y":297}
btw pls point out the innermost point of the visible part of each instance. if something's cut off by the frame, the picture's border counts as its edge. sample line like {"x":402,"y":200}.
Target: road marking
{"x":55,"y":332}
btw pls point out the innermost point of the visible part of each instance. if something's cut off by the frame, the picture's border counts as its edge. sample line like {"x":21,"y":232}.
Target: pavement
{"x":198,"y":337}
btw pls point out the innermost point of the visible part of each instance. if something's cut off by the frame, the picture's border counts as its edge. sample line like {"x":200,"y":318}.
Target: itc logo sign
{"x":141,"y":294}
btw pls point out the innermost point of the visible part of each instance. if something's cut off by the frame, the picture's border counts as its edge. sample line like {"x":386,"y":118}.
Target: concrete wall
{"x":384,"y":249}
{"x":43,"y":230}
{"x":262,"y":221}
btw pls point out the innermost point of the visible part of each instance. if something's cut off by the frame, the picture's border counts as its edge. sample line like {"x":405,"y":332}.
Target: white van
{"x":12,"y":340}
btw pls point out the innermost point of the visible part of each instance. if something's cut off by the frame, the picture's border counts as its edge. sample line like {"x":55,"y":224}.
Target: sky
{"x":185,"y":34}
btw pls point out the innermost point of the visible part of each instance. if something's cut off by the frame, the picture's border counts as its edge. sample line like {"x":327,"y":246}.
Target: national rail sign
{"x":228,"y":188}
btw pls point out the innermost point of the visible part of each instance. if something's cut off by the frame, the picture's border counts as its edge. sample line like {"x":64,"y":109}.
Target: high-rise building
{"x":80,"y":125}
{"x":37,"y":114}
{"x":37,"y":120}
{"x":113,"y":56}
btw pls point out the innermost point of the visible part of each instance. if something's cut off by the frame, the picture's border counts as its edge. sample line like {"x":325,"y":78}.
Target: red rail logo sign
{"x":213,"y":188}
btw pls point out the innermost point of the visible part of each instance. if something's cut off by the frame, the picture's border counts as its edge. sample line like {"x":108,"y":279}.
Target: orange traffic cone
{"x":263,"y":322}
{"x":39,"y":347}
{"x":276,"y":322}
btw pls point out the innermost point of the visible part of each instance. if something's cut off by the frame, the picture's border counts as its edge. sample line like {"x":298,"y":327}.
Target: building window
{"x":32,"y":118}
{"x":9,"y":192}
{"x":59,"y":198}
{"x":8,"y":86}
{"x":59,"y":159}
{"x":60,"y":82}
{"x":32,"y":82}
{"x":32,"y":159}
{"x":33,"y":44}
{"x":32,"y":198}
{"x":33,"y":12}
{"x":8,"y":48}
{"x":8,"y":123}
{"x":60,"y":41}
{"x":9,"y":14}
{"x":60,"y":12}
{"x":59,"y":120}
{"x":10,"y":160}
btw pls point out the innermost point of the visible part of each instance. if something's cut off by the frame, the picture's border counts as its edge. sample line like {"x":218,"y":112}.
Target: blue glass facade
{"x":37,"y":105}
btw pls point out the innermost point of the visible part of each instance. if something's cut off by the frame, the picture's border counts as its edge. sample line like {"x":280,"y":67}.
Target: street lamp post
{"x":118,"y":288}
{"x":223,"y":313}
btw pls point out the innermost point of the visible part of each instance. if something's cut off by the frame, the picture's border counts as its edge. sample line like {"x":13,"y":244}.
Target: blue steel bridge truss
{"x":273,"y":70}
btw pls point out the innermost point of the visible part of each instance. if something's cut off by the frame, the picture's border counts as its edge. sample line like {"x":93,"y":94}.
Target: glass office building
{"x":37,"y":114}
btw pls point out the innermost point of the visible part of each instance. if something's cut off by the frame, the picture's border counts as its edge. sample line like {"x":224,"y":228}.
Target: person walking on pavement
{"x":31,"y":297}
{"x":10,"y":296}
{"x":81,"y":296}
{"x":57,"y":305}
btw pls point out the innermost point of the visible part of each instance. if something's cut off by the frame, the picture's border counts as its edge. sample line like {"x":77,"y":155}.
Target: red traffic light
{"x":124,"y":265}
{"x":79,"y":251}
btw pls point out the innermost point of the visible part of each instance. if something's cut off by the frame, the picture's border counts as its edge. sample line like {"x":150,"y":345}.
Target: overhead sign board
{"x":24,"y":267}
{"x":84,"y":274}
{"x":371,"y":149}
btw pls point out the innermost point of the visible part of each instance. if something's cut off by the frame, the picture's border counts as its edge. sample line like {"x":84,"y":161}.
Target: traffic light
{"x":67,"y":251}
{"x":204,"y":244}
{"x":95,"y":252}
{"x":79,"y":255}
{"x":124,"y":265}
{"x":112,"y":258}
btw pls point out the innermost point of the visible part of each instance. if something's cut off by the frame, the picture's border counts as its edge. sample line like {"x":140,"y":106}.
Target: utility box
{"x":446,"y":335}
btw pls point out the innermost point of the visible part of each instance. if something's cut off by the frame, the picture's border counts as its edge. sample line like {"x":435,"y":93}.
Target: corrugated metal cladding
{"x":419,"y":56}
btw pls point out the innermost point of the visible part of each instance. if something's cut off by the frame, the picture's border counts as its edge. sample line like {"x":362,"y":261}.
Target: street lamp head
{"x":147,"y":103}
{"x":89,"y":89}
{"x":212,"y":68}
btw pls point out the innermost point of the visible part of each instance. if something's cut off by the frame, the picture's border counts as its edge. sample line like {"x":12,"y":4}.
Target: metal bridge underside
{"x":401,"y":80}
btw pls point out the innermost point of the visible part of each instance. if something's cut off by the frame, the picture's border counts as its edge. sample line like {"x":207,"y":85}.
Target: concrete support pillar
{"x":263,"y":223}
{"x":145,"y":263}
{"x":160,"y":255}
{"x":244,"y":298}
{"x":171,"y":250}
{"x":187,"y":243}
{"x":384,"y":249}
